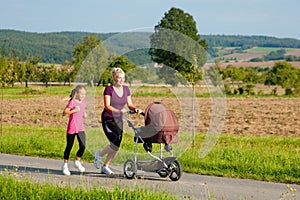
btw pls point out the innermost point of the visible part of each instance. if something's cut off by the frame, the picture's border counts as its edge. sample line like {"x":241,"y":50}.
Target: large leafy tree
{"x":175,"y":43}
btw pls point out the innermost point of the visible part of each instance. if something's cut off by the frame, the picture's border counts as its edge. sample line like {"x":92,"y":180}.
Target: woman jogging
{"x":116,"y":96}
{"x":76,"y":111}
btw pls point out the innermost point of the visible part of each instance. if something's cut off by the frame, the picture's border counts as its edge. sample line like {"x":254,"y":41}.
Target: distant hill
{"x":57,"y":47}
{"x":250,"y":41}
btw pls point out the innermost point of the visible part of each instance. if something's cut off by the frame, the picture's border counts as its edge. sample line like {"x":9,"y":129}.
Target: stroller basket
{"x":161,"y":125}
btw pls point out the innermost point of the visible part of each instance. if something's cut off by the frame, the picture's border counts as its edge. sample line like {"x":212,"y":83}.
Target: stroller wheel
{"x":176,"y":170}
{"x":163,"y":173}
{"x":130,"y":169}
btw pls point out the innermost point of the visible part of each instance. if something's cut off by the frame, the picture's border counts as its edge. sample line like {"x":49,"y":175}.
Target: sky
{"x":229,"y":17}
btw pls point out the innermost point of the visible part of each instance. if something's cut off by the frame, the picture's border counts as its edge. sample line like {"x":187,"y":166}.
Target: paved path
{"x":190,"y":186}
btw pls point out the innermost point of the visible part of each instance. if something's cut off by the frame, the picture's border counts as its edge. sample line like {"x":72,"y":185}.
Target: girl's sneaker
{"x":79,"y":166}
{"x":106,"y":170}
{"x":65,"y":169}
{"x":97,"y":160}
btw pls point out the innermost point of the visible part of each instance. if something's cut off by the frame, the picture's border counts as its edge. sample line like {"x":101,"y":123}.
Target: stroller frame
{"x":163,"y":166}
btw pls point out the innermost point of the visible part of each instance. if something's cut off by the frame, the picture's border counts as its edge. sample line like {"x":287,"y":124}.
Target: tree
{"x":275,"y":55}
{"x":122,"y":62}
{"x":65,"y":73}
{"x":3,"y":69}
{"x":10,"y":69}
{"x":175,"y":43}
{"x":82,"y":56}
{"x":30,"y":68}
{"x":285,"y":75}
{"x":46,"y":73}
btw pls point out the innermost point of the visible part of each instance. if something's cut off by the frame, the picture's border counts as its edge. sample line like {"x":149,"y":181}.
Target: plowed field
{"x":256,"y":116}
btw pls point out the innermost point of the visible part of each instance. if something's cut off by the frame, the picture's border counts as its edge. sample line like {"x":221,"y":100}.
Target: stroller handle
{"x":133,"y":112}
{"x":130,"y":124}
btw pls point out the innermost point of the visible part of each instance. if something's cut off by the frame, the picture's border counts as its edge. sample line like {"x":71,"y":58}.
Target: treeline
{"x":57,"y":47}
{"x":91,"y":68}
{"x":250,"y":41}
{"x":237,"y":80}
{"x":242,"y":80}
{"x":95,"y":69}
{"x":53,"y":47}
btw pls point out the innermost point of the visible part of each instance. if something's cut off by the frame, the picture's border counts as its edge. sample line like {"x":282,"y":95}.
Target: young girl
{"x":115,"y":98}
{"x":76,"y":111}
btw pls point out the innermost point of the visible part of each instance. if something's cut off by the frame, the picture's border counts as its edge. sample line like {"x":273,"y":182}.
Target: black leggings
{"x":113,"y":131}
{"x":70,"y":142}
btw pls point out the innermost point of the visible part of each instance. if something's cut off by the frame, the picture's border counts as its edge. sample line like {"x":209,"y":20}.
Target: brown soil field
{"x":255,"y":116}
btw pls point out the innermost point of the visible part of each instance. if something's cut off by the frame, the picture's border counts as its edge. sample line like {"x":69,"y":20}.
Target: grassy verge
{"x":268,"y":158}
{"x":12,"y":188}
{"x":137,"y":91}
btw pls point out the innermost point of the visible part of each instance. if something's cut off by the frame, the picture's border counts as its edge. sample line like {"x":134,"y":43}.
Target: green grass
{"x":12,"y":188}
{"x":264,"y":50}
{"x":34,"y":91}
{"x":33,"y":140}
{"x":142,"y":91}
{"x":268,"y":158}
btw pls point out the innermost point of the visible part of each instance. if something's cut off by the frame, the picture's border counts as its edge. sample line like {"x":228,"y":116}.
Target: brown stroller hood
{"x":161,"y":124}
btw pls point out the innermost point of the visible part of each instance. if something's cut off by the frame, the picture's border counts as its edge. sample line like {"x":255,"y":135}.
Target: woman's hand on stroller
{"x":138,"y":111}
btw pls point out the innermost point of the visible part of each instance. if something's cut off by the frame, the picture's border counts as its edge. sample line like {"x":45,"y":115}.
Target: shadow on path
{"x":26,"y":169}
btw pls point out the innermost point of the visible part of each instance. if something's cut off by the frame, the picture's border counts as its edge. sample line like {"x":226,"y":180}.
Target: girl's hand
{"x":76,"y":109}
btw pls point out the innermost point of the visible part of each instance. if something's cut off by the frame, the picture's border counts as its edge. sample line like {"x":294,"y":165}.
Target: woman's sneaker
{"x":65,"y":169}
{"x":97,"y":160}
{"x":106,"y":170}
{"x":79,"y":166}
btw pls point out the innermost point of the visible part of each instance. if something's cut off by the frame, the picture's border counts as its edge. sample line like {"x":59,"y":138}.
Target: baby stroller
{"x":161,"y":126}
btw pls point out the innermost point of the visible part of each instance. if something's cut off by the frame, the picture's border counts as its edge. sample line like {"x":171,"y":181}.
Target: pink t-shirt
{"x":75,"y":123}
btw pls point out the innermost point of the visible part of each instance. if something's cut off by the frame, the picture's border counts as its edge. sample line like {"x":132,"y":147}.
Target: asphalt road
{"x":190,"y":186}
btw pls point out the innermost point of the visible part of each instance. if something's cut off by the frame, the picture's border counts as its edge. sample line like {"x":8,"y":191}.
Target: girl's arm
{"x":69,"y":111}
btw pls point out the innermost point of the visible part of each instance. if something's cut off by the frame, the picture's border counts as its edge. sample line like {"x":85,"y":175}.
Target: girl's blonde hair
{"x":116,"y":70}
{"x":75,"y":91}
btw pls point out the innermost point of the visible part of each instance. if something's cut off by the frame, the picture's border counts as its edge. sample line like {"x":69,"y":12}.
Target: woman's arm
{"x":131,"y":106}
{"x":107,"y":105}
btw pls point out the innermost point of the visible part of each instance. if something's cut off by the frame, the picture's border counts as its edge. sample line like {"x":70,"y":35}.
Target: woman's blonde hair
{"x":116,"y":70}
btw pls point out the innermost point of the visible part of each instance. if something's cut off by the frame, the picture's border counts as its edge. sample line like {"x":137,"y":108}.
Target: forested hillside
{"x":57,"y":47}
{"x":250,"y":41}
{"x":52,"y":47}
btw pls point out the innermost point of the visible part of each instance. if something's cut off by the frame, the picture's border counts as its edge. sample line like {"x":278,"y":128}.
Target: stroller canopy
{"x":161,"y":124}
